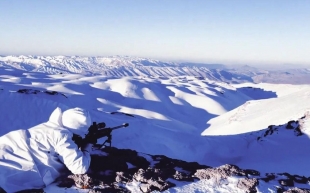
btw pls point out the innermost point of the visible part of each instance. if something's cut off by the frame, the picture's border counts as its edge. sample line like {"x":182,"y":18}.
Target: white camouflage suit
{"x":35,"y":157}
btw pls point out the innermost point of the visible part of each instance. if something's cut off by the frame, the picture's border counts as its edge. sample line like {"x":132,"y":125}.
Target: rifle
{"x":95,"y":132}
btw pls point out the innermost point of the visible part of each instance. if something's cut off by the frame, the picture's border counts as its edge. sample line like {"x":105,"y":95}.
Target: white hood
{"x":56,"y":117}
{"x":77,"y":120}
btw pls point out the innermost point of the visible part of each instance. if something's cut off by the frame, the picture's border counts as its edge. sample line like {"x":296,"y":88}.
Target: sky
{"x":228,"y":32}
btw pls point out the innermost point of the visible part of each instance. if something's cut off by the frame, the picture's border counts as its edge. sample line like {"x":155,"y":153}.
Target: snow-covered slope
{"x":291,"y":103}
{"x":276,"y":148}
{"x":269,"y":134}
{"x":166,"y":113}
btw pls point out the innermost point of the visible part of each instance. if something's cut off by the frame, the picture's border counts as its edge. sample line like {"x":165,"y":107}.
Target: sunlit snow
{"x":183,"y":117}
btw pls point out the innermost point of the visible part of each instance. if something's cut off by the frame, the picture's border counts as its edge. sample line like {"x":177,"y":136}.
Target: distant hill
{"x":119,"y":66}
{"x":122,"y":66}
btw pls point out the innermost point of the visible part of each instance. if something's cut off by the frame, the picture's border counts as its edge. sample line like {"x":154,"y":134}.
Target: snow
{"x":183,"y":117}
{"x":256,"y":115}
{"x":241,"y":127}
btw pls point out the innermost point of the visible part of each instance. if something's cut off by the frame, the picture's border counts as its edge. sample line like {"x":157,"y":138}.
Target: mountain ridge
{"x":118,"y":66}
{"x":121,"y":66}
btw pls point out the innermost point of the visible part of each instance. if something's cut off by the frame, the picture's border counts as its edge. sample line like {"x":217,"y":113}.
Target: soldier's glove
{"x":88,"y":147}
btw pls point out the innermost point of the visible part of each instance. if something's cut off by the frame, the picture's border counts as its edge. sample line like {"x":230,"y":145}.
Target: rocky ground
{"x":112,"y":168}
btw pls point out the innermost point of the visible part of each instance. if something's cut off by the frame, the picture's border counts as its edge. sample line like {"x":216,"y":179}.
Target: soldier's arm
{"x":76,"y":160}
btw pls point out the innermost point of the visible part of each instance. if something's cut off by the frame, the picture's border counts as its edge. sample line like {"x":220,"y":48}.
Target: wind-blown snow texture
{"x":184,"y":113}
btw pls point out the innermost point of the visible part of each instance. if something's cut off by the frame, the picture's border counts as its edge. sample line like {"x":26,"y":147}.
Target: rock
{"x":252,"y":172}
{"x":159,"y":185}
{"x":110,"y":190}
{"x":122,"y":177}
{"x":297,"y":190}
{"x":144,"y":188}
{"x":280,"y":189}
{"x":82,"y":181}
{"x":248,"y":185}
{"x":28,"y":91}
{"x":65,"y":182}
{"x":1,"y":190}
{"x":142,"y":175}
{"x":290,"y":125}
{"x":33,"y":91}
{"x":116,"y":167}
{"x":32,"y":191}
{"x":269,"y":176}
{"x":297,"y":131}
{"x":102,"y":163}
{"x":286,"y":182}
{"x":165,"y":162}
{"x":152,"y":180}
{"x":181,"y":176}
{"x":270,"y":130}
{"x":130,"y":115}
{"x":125,"y":156}
{"x":300,"y":179}
{"x":54,"y":93}
{"x":219,"y":173}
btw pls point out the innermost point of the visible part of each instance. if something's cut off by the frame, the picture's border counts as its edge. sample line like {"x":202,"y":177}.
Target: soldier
{"x":34,"y":158}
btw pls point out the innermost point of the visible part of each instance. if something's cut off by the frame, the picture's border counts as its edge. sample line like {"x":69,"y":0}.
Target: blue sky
{"x":218,"y":31}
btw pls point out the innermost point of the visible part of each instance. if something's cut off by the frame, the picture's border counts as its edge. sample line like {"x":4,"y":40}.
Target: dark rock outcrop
{"x":248,"y":185}
{"x":113,"y":167}
{"x":120,"y":166}
{"x":296,"y":126}
{"x":298,"y":190}
{"x":33,"y":91}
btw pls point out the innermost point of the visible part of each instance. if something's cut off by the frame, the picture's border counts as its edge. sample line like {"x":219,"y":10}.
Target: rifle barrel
{"x":120,"y":126}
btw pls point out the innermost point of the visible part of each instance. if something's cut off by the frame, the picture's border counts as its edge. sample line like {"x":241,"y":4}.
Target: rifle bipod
{"x":108,"y":140}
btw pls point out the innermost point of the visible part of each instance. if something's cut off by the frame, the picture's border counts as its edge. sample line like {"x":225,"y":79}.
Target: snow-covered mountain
{"x":121,"y":66}
{"x":118,"y":66}
{"x":263,"y":127}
